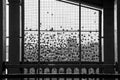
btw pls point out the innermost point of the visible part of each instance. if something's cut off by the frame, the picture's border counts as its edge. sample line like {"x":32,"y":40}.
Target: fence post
{"x":118,"y":32}
{"x":1,"y":36}
{"x":108,"y":6}
{"x":14,"y":30}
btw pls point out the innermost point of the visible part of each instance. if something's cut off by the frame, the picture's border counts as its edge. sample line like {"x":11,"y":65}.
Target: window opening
{"x":60,"y":32}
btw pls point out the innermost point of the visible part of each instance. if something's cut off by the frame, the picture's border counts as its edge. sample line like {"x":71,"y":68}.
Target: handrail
{"x":60,"y":76}
{"x":7,"y":65}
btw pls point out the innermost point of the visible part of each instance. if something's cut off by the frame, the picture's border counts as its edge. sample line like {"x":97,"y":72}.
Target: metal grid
{"x":31,"y":30}
{"x":52,"y":34}
{"x":56,"y":31}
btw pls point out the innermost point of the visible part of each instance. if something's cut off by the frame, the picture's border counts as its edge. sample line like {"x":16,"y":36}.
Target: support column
{"x":14,"y":30}
{"x":118,"y":32}
{"x":108,"y":34}
{"x":1,"y":35}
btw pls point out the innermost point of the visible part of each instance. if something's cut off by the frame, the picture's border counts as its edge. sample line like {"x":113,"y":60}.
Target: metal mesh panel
{"x":90,"y":46}
{"x":31,"y":46}
{"x":31,"y":14}
{"x":55,"y":15}
{"x":90,"y":35}
{"x":31,"y":30}
{"x":53,"y":35}
{"x":89,"y":19}
{"x":59,"y":46}
{"x":59,"y":40}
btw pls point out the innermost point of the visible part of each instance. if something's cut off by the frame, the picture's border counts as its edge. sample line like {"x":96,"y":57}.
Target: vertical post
{"x":1,"y":35}
{"x":4,"y":30}
{"x":108,"y":34}
{"x":118,"y":32}
{"x":14,"y":30}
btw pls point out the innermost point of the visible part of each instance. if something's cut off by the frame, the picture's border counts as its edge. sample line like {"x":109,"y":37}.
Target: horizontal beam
{"x":7,"y":65}
{"x":61,"y":76}
{"x":96,"y":3}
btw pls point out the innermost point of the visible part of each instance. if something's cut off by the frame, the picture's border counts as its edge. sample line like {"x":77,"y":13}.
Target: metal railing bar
{"x":59,"y":65}
{"x":60,"y":76}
